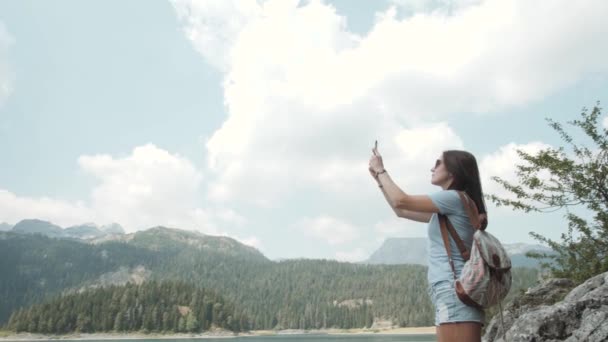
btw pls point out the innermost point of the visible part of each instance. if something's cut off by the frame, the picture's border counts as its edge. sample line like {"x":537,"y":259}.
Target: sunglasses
{"x":437,"y":163}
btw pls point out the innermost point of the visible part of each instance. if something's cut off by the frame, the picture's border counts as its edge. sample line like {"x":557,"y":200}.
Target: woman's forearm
{"x":391,"y":191}
{"x":396,"y":192}
{"x":397,"y":199}
{"x":388,"y":200}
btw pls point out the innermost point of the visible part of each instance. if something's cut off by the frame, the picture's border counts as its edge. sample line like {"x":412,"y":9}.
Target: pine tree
{"x":83,"y":323}
{"x":119,"y":322}
{"x":192,"y":324}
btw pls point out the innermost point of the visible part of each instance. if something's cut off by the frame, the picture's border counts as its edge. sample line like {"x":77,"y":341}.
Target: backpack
{"x":485,"y":279}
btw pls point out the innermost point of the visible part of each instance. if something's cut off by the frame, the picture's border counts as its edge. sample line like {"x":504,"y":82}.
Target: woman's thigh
{"x":449,"y":309}
{"x":459,"y":332}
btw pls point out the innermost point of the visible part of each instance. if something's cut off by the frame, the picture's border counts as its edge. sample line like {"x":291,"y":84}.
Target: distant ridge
{"x":158,"y":238}
{"x":35,"y":226}
{"x":395,"y":251}
{"x":155,"y":238}
{"x":86,"y":231}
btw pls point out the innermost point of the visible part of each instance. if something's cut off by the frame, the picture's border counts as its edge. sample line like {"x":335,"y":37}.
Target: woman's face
{"x":440,"y":175}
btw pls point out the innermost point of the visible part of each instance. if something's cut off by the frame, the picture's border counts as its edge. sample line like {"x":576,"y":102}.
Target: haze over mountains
{"x":84,"y":231}
{"x":289,"y":294}
{"x":40,"y":261}
{"x":396,"y":251}
{"x":5,"y":226}
{"x":393,"y":251}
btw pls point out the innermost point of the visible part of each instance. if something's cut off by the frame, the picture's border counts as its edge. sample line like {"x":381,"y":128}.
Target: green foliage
{"x":292,"y":294}
{"x":579,"y":179}
{"x":35,"y":267}
{"x":128,"y":308}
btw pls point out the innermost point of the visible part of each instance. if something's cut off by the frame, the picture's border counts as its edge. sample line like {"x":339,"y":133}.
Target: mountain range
{"x":288,"y":294}
{"x":85,"y":231}
{"x":393,"y":251}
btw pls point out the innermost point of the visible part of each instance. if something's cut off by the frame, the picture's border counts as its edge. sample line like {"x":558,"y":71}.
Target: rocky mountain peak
{"x":35,"y":226}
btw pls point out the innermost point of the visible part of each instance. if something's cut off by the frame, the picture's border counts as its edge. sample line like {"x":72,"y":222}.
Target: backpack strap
{"x":446,"y":242}
{"x":446,"y":226}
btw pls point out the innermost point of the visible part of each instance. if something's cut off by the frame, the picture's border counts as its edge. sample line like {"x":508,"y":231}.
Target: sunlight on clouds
{"x":161,"y":188}
{"x":305,"y":97}
{"x":420,"y":142}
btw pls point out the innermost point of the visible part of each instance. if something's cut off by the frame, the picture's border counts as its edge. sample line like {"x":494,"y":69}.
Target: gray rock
{"x":553,"y":311}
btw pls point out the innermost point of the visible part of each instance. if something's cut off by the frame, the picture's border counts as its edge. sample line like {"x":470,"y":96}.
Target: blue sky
{"x":255,"y":119}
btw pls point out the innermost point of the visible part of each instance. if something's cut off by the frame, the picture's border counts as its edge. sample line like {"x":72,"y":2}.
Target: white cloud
{"x":305,"y":97}
{"x":329,"y":229}
{"x":14,"y":208}
{"x":161,"y":188}
{"x":605,"y":122}
{"x":213,"y":26}
{"x":6,"y":75}
{"x":418,"y":143}
{"x":153,"y":187}
{"x":146,"y":188}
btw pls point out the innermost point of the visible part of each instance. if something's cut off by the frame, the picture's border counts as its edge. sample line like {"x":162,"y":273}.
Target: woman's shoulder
{"x":447,"y":201}
{"x":447,"y":194}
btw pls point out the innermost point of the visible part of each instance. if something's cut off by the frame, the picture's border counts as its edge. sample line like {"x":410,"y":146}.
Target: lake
{"x":304,"y":338}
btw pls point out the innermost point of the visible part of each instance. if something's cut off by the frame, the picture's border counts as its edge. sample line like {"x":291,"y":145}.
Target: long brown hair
{"x":463,"y":167}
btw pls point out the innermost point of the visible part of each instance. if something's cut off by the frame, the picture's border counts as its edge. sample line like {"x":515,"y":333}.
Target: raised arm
{"x":402,"y":201}
{"x":392,"y":193}
{"x":417,"y":208}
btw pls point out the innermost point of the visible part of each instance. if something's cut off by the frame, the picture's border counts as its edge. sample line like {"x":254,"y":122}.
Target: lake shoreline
{"x":218,"y":334}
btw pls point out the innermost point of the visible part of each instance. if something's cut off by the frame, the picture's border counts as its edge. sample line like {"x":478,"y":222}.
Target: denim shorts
{"x":448,"y":308}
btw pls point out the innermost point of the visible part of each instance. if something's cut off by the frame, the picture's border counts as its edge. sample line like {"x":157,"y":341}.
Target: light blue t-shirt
{"x":448,"y":202}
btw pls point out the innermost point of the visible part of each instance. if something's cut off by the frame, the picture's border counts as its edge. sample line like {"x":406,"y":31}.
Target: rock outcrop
{"x":553,"y":311}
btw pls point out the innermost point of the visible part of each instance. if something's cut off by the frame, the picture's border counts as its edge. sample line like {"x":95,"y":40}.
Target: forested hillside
{"x":152,"y":306}
{"x":296,"y":294}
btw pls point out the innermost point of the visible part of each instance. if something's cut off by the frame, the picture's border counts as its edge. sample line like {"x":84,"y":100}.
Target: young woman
{"x":454,"y":170}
